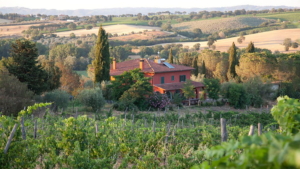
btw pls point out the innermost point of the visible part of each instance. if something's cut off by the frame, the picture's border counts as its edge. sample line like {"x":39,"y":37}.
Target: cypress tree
{"x":102,"y":58}
{"x":195,"y":66}
{"x":232,"y":61}
{"x":170,"y":59}
{"x":25,"y":67}
{"x":203,"y":68}
{"x":250,"y":48}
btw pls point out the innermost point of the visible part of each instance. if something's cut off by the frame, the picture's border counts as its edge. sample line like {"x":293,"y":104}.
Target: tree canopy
{"x":25,"y":67}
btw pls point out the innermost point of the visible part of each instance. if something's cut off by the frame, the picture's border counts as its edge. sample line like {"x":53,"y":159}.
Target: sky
{"x":98,"y":4}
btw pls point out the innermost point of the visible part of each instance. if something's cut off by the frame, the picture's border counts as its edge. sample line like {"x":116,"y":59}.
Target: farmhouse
{"x":165,"y":77}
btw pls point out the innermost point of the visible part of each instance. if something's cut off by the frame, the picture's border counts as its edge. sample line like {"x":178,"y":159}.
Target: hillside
{"x":215,"y":25}
{"x":271,"y":40}
{"x":127,"y":10}
{"x":113,"y":29}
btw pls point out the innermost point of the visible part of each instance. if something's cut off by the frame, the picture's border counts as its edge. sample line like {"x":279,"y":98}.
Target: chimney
{"x":141,"y":64}
{"x":157,"y":60}
{"x":114,"y":64}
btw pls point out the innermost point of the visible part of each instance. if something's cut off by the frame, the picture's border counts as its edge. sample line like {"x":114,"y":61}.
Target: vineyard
{"x":156,"y":140}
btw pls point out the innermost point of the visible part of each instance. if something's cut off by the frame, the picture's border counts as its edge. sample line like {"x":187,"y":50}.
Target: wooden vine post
{"x":35,"y":129}
{"x":23,"y":129}
{"x":223,"y":130}
{"x":259,"y":129}
{"x":251,"y":131}
{"x":12,"y":133}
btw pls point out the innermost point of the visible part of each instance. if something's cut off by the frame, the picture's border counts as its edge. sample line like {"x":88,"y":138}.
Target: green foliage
{"x":166,"y":27}
{"x":54,"y":75}
{"x":270,"y":150}
{"x":59,"y":98}
{"x":60,"y":52}
{"x":177,"y":99}
{"x":92,"y":98}
{"x":236,"y":94}
{"x":267,"y":151}
{"x":121,"y":143}
{"x":138,"y":93}
{"x":72,"y":26}
{"x":287,"y":114}
{"x":188,"y":90}
{"x":212,"y":87}
{"x":106,"y":91}
{"x":25,"y":66}
{"x":126,"y":105}
{"x":14,"y":95}
{"x":120,"y":52}
{"x":101,"y":63}
{"x":31,"y":109}
{"x":5,"y":47}
{"x":258,"y":91}
{"x":131,"y":88}
{"x":291,"y":89}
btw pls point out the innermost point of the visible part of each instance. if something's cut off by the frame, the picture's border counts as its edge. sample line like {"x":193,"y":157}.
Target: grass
{"x":287,"y":16}
{"x":82,"y":73}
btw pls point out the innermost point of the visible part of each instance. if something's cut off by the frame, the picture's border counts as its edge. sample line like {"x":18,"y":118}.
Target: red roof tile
{"x":176,"y":86}
{"x":149,"y":67}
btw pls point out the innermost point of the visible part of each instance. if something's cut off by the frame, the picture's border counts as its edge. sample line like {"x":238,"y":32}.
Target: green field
{"x":290,"y":16}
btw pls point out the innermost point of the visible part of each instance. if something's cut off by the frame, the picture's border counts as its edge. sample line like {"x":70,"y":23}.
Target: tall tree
{"x":102,"y":58}
{"x":195,"y":66}
{"x":232,"y":61}
{"x":25,"y":67}
{"x":203,"y":71}
{"x":250,"y":48}
{"x":170,"y":60}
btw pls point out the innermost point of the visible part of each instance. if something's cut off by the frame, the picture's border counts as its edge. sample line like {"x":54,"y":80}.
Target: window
{"x":162,"y":80}
{"x":172,"y":78}
{"x":182,"y":78}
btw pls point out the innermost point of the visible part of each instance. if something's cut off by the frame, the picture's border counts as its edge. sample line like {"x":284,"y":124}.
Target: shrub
{"x":236,"y":94}
{"x":60,"y":98}
{"x":14,"y":95}
{"x":158,"y":100}
{"x":92,"y":98}
{"x":177,"y":99}
{"x":125,"y":106}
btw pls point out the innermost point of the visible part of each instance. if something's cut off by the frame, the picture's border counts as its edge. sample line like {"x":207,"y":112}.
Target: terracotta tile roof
{"x":149,"y":67}
{"x":176,"y":86}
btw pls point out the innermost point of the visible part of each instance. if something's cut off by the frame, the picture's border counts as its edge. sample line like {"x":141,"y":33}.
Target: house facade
{"x":165,"y":77}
